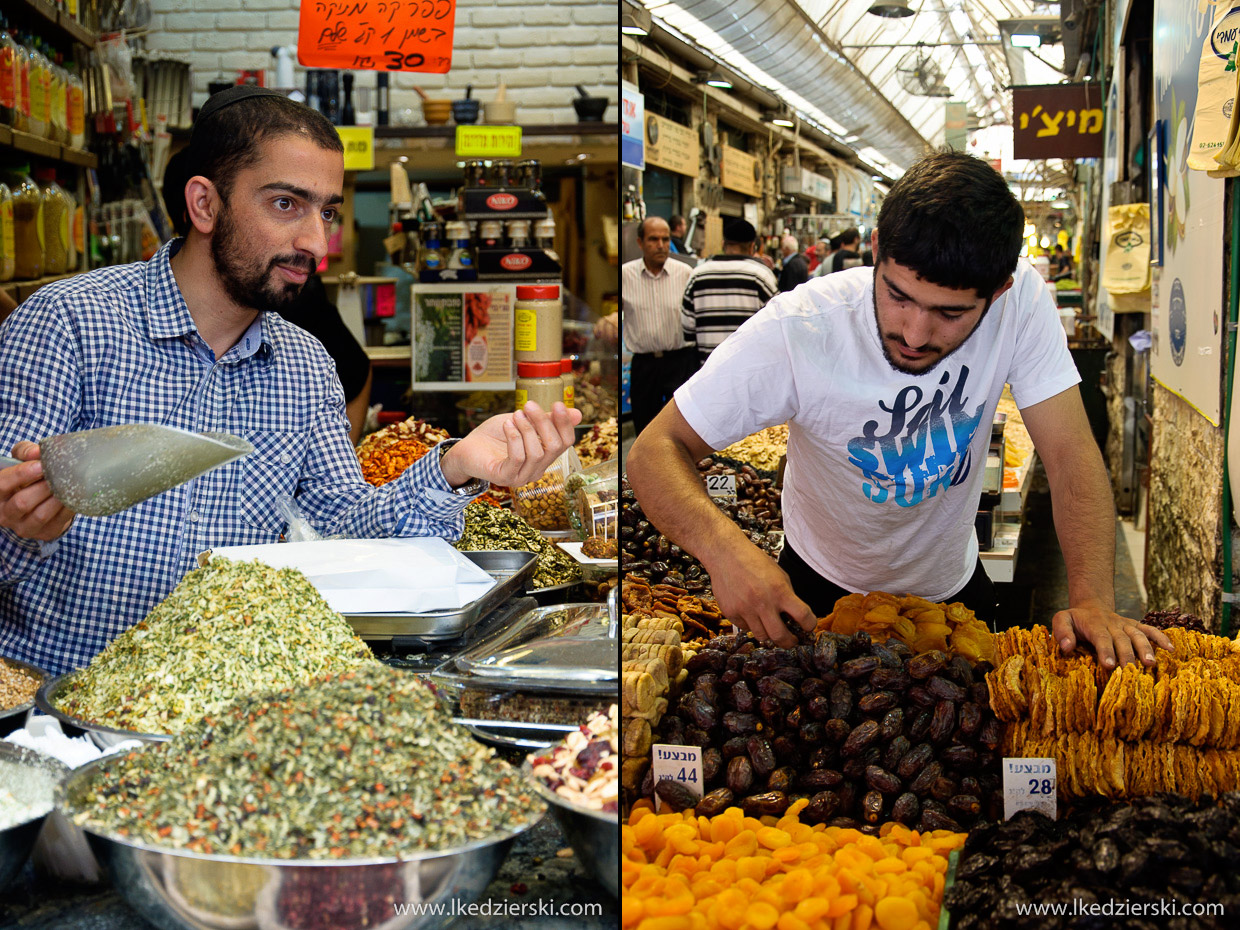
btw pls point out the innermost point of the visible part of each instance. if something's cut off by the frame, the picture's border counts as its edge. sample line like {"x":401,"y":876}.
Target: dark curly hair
{"x":228,"y":141}
{"x":953,"y":219}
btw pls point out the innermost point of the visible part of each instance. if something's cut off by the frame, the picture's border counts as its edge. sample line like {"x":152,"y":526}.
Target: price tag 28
{"x":721,"y":486}
{"x":377,"y":35}
{"x":681,"y":764}
{"x":1029,"y":784}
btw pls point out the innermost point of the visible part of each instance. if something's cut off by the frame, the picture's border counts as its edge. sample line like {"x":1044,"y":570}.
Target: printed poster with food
{"x":462,"y":334}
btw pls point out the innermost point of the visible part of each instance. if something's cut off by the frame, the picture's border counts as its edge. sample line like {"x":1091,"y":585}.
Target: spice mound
{"x":17,"y":685}
{"x":584,"y":768}
{"x":363,"y":765}
{"x":489,"y":528}
{"x":228,"y":630}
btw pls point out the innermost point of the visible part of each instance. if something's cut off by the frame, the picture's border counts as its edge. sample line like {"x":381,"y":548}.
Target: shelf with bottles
{"x":44,"y":15}
{"x":46,"y":148}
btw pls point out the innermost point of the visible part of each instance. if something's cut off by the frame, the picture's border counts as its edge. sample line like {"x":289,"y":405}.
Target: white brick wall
{"x":540,"y":49}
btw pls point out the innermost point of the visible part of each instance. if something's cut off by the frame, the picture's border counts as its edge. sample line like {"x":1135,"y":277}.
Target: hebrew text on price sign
{"x":377,"y":35}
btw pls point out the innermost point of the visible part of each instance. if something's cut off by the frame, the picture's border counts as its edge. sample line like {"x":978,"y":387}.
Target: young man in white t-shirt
{"x":888,"y":379}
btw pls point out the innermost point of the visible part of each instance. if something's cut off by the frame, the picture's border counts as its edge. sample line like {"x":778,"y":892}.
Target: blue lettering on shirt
{"x":926,"y":445}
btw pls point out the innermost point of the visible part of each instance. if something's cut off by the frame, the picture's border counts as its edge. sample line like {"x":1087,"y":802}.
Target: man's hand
{"x":27,"y":506}
{"x":1116,"y":640}
{"x":608,"y":328}
{"x":754,"y":593}
{"x":512,"y":449}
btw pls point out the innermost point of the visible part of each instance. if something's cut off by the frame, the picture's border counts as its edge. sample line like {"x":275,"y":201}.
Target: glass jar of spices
{"x":538,"y":324}
{"x":539,"y":382}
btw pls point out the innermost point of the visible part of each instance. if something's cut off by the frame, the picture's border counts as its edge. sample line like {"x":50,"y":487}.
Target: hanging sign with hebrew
{"x":377,"y":35}
{"x":1057,"y":121}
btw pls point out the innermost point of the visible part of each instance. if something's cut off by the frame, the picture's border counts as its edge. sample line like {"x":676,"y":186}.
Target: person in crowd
{"x":816,"y":253}
{"x":193,"y":339}
{"x":725,"y":290}
{"x":833,"y":247}
{"x":312,"y":310}
{"x":651,"y":288}
{"x":888,"y":380}
{"x":795,"y":269}
{"x":849,"y":254}
{"x":1061,"y":263}
{"x":678,"y":227}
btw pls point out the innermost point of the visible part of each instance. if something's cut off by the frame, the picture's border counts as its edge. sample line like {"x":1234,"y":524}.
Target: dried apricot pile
{"x":682,"y":872}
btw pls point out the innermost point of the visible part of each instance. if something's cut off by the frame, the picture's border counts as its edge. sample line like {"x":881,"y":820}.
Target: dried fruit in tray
{"x":918,"y":623}
{"x":599,"y":444}
{"x":584,"y":768}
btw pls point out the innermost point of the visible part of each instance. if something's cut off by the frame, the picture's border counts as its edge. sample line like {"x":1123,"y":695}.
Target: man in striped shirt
{"x":650,"y":307}
{"x":726,"y":290}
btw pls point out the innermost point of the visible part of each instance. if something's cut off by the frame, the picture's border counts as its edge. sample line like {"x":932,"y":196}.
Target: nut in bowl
{"x":580,"y":778}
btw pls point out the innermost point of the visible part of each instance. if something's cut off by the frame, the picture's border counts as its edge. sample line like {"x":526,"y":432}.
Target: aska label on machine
{"x":721,"y":486}
{"x":1029,"y":784}
{"x":679,"y":763}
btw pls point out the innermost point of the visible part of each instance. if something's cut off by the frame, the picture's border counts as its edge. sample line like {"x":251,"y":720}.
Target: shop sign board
{"x":359,"y":147}
{"x":488,"y":141}
{"x":632,"y":126}
{"x":807,"y":183}
{"x":462,"y":336}
{"x":740,"y":172}
{"x":672,"y":146}
{"x":1188,"y":311}
{"x":1057,"y":121}
{"x":372,"y":35}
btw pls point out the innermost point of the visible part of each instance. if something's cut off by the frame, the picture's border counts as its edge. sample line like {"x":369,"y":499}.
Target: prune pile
{"x":868,"y":732}
{"x":1160,"y":848}
{"x":757,"y":505}
{"x":646,"y":552}
{"x":1164,"y":619}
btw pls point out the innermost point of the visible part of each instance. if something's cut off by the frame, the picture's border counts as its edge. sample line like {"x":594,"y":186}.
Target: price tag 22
{"x":681,"y":764}
{"x":377,"y":35}
{"x":721,"y":486}
{"x":1029,"y":784}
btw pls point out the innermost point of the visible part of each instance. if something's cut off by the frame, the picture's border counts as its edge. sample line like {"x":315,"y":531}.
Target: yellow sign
{"x":359,"y":147}
{"x":488,"y":141}
{"x":672,"y":146}
{"x":740,"y":172}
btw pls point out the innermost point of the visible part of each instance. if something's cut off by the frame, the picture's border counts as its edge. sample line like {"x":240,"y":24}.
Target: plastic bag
{"x":593,"y":500}
{"x":1216,"y":90}
{"x":543,"y":504}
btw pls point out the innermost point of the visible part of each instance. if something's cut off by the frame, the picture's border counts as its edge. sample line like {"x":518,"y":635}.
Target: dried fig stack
{"x":867,"y":732}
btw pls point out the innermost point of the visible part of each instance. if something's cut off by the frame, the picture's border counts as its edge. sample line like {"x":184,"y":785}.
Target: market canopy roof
{"x":879,"y":83}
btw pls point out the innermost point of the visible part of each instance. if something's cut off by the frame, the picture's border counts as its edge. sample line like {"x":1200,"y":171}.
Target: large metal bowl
{"x":102,"y":736}
{"x":594,"y":835}
{"x":14,"y":718}
{"x":181,"y":890}
{"x":40,"y":775}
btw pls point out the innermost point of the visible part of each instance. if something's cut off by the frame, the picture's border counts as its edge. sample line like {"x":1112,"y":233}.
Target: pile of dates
{"x":1165,"y":619}
{"x":868,"y":732}
{"x":1155,"y":849}
{"x":649,"y":554}
{"x":757,"y":505}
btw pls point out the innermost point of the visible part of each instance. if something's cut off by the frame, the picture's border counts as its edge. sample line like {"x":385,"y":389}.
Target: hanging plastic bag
{"x":1127,"y":264}
{"x":1216,"y":89}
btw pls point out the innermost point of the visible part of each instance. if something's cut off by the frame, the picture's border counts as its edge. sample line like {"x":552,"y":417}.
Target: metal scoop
{"x":99,"y":472}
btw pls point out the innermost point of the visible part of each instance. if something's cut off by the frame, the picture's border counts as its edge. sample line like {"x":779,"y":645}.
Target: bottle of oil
{"x":27,"y":226}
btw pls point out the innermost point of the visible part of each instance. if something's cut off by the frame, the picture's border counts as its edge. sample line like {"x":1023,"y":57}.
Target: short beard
{"x":245,"y":283}
{"x":882,"y":341}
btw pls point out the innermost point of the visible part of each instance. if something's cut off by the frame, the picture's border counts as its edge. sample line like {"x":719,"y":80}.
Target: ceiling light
{"x":891,"y":9}
{"x":778,"y":118}
{"x":636,"y":21}
{"x":712,"y":79}
{"x":1025,"y":40}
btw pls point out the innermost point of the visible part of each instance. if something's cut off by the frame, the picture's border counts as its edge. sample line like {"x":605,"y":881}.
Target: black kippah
{"x":228,"y":97}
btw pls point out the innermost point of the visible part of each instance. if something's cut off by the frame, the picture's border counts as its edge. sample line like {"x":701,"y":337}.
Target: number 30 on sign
{"x":377,"y":35}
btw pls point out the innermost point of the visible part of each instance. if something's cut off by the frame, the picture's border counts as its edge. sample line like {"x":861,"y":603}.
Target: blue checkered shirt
{"x":118,"y":345}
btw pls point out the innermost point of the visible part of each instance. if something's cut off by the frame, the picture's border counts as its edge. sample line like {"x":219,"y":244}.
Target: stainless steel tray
{"x":510,"y":569}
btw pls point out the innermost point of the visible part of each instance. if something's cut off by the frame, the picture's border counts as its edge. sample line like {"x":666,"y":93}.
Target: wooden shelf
{"x":46,"y":148}
{"x":20,"y":290}
{"x":46,"y":15}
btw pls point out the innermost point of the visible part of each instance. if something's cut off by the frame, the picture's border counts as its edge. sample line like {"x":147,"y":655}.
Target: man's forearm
{"x":663,"y":473}
{"x":1085,"y":524}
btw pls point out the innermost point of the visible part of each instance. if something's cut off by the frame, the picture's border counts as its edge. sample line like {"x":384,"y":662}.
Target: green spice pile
{"x":364,"y":765}
{"x":228,"y":630}
{"x":494,"y":528}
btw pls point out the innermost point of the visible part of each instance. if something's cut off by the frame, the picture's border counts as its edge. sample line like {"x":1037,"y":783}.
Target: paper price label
{"x":721,"y":486}
{"x":377,"y":35}
{"x":1029,"y":784}
{"x":679,"y":763}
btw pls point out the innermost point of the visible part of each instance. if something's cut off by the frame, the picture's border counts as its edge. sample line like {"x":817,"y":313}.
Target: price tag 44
{"x":1029,"y":784}
{"x":680,"y":764}
{"x":721,"y":486}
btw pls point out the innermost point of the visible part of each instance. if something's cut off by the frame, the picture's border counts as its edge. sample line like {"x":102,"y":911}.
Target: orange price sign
{"x":377,"y":35}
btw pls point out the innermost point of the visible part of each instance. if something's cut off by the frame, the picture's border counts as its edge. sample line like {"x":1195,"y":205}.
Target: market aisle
{"x":1040,"y":587}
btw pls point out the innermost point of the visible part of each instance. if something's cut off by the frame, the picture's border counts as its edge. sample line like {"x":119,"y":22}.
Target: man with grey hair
{"x":795,"y":268}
